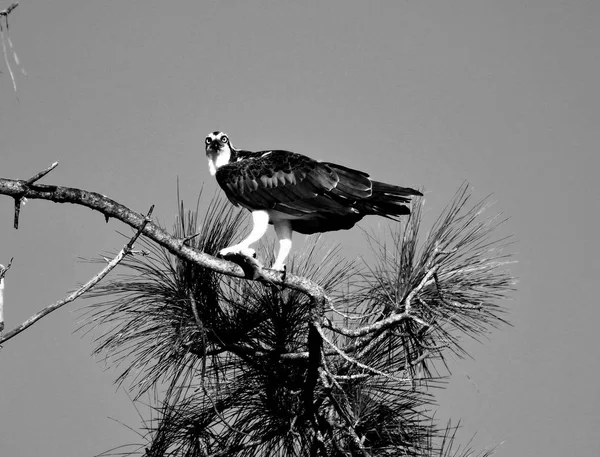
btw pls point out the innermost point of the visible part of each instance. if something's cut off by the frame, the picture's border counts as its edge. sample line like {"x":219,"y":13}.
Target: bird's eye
{"x":224,"y":140}
{"x":208,"y":140}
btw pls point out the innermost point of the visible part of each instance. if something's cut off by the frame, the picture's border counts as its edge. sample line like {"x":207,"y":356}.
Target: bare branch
{"x":83,"y":289}
{"x":111,"y":209}
{"x":6,"y":11}
{"x":379,"y":325}
{"x":394,"y":318}
{"x":3,"y":271}
{"x":5,"y":52}
{"x":4,"y":15}
{"x":354,"y":361}
{"x":42,"y":173}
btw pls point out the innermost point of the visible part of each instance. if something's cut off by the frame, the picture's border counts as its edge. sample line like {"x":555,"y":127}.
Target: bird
{"x":295,"y":193}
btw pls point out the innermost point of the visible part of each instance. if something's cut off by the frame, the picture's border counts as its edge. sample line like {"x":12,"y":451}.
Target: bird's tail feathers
{"x":395,"y":191}
{"x":388,"y":200}
{"x":368,"y":196}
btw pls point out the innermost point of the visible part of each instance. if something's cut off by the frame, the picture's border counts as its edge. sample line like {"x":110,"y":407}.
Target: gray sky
{"x":503,"y":94}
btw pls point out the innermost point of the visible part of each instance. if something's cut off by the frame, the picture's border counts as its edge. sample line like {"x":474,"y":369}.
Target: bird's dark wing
{"x":281,"y":180}
{"x":317,"y":196}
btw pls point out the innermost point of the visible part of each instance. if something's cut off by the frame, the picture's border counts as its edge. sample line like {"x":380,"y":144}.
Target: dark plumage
{"x":316,"y":196}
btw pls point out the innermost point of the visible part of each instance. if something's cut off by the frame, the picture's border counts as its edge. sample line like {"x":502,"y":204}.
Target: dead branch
{"x":83,"y":289}
{"x":383,"y":324}
{"x":6,"y":11}
{"x":395,"y":318}
{"x":354,"y":361}
{"x":4,"y":24}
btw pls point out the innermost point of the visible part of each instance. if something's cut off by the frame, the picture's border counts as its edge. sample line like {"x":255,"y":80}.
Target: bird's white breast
{"x":217,"y":159}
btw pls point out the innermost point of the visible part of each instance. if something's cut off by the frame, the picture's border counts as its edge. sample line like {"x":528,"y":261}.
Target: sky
{"x":424,"y":94}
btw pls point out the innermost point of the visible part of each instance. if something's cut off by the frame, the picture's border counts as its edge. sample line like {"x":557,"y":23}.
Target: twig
{"x":41,"y":174}
{"x":18,"y":201}
{"x":349,"y":428}
{"x":353,"y":361}
{"x":83,"y":289}
{"x":352,"y":377}
{"x":12,"y":48}
{"x":394,"y":318}
{"x":3,"y":271}
{"x":187,"y":239}
{"x":4,"y":13}
{"x":29,"y":182}
{"x":12,"y":76}
{"x":455,"y":304}
{"x":371,"y":328}
{"x":419,"y":288}
{"x":419,"y":359}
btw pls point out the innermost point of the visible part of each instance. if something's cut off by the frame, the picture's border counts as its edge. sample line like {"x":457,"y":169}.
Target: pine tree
{"x":253,"y":368}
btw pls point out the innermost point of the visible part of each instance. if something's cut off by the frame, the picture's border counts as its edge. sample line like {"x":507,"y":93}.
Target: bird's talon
{"x":280,"y":269}
{"x":237,"y":250}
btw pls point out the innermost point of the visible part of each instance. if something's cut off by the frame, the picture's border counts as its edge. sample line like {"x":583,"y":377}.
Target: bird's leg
{"x":283,"y":229}
{"x":260,"y":220}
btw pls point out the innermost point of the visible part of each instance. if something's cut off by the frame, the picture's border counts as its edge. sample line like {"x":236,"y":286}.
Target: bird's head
{"x":218,"y":150}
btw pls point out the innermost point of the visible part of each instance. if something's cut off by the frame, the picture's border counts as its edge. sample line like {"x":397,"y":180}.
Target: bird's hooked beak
{"x":214,"y":146}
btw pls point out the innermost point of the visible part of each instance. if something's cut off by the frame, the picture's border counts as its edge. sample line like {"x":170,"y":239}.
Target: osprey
{"x":296,"y":193}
